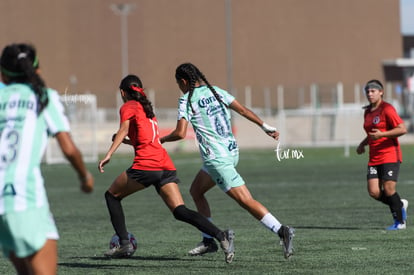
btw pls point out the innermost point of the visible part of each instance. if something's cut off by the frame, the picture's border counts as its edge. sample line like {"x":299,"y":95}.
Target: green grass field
{"x":339,"y":228}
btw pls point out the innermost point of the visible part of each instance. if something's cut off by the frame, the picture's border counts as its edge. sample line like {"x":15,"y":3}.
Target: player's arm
{"x":178,"y":133}
{"x":250,"y":115}
{"x":126,"y":140}
{"x":120,"y":136}
{"x":74,"y":156}
{"x":399,"y":130}
{"x":393,"y":120}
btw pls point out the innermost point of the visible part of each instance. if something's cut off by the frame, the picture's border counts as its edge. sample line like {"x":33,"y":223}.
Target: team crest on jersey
{"x":376,"y":120}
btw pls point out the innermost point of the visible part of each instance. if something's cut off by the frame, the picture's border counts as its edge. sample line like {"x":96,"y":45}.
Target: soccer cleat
{"x":228,"y":245}
{"x":404,"y":210}
{"x":120,"y":251}
{"x":401,"y":225}
{"x":397,"y":226}
{"x":286,"y":235}
{"x":203,"y":248}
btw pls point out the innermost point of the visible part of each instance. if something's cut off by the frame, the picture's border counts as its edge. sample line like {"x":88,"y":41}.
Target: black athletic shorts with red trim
{"x":156,"y":178}
{"x":386,"y":171}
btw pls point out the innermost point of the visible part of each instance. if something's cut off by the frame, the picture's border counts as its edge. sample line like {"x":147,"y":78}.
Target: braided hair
{"x":19,"y":63}
{"x":192,"y":74}
{"x":132,"y":86}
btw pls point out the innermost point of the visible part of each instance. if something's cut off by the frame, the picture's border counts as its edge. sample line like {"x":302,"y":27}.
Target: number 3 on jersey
{"x":9,"y":146}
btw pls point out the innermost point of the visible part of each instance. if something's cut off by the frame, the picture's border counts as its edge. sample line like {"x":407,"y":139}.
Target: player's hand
{"x":375,"y":134}
{"x":87,"y":183}
{"x":270,"y":131}
{"x":274,"y":134}
{"x":102,"y":163}
{"x":360,"y":149}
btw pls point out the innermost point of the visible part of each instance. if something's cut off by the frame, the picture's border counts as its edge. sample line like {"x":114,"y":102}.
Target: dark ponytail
{"x":19,"y":63}
{"x":192,"y":74}
{"x":132,"y":86}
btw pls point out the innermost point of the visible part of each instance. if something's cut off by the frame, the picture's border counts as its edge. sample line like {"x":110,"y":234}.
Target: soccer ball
{"x":115,"y":241}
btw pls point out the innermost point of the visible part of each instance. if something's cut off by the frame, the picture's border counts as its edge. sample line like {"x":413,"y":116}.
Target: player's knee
{"x":109,"y":197}
{"x":375,"y":195}
{"x":196,"y":194}
{"x":192,"y":190}
{"x":389,"y":189}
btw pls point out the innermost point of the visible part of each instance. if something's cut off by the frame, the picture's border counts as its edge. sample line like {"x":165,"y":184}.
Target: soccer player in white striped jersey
{"x":207,"y":108}
{"x":29,"y":113}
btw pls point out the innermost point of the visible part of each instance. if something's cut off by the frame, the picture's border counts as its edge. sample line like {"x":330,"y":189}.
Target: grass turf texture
{"x":339,"y":229}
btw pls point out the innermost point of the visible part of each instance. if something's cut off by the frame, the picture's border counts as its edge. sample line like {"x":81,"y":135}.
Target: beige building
{"x":271,"y":42}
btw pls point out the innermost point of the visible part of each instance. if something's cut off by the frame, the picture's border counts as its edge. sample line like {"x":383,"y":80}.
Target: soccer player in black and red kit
{"x":383,"y":127}
{"x":151,"y":166}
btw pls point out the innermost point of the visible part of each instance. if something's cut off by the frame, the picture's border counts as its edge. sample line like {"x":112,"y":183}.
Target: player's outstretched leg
{"x":226,"y":238}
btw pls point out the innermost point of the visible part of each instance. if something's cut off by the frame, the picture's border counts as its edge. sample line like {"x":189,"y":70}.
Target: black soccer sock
{"x":182,"y":213}
{"x":396,"y":207}
{"x":383,"y":198}
{"x":208,"y":240}
{"x":117,"y":216}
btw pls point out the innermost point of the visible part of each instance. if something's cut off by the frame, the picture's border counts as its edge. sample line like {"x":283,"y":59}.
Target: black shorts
{"x":386,"y":171}
{"x":156,"y":178}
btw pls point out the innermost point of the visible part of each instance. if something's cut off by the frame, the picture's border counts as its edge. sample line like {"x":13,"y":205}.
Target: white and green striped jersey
{"x":23,"y":140}
{"x":211,"y":122}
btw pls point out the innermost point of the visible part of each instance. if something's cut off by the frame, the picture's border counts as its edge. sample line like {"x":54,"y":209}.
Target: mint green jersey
{"x":211,"y":122}
{"x":23,"y":140}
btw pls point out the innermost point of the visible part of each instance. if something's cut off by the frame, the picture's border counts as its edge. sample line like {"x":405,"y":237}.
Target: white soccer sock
{"x":205,"y":235}
{"x":271,"y":222}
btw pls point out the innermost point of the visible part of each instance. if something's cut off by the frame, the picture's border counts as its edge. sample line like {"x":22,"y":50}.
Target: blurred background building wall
{"x":272,"y":42}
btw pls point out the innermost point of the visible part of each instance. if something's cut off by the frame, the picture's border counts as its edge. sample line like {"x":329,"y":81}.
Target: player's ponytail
{"x":19,"y":64}
{"x":192,"y":74}
{"x":132,"y":86}
{"x":186,"y":71}
{"x":216,"y":95}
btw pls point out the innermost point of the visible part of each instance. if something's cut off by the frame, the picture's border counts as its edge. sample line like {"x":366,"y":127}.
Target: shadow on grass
{"x":335,"y":227}
{"x":94,"y":266}
{"x":116,"y":262}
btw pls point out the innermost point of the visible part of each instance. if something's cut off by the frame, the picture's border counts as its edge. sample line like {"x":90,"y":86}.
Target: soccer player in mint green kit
{"x":207,"y":108}
{"x":29,"y":113}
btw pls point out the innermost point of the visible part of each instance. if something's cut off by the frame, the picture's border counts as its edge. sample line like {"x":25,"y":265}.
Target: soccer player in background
{"x":29,"y":113}
{"x":151,"y":166}
{"x":383,"y":127}
{"x":207,"y":108}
